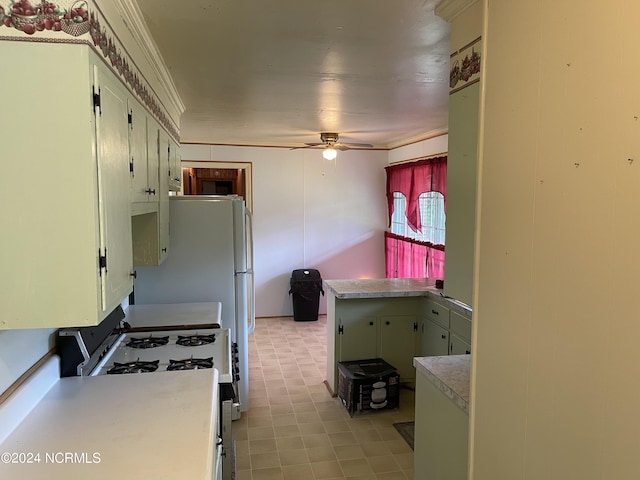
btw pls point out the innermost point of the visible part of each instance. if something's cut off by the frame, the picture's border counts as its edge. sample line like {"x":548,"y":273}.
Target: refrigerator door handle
{"x":252,"y":293}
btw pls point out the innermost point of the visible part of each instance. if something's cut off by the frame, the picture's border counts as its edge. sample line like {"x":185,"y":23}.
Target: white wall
{"x":19,"y":350}
{"x":556,"y":375}
{"x":426,"y":148}
{"x":309,"y":213}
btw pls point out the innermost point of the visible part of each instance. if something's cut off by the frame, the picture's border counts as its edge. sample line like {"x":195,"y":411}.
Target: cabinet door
{"x":175,"y":169}
{"x":137,"y":151}
{"x":458,"y":346}
{"x":113,"y":190}
{"x":435,"y":339}
{"x":357,"y":338}
{"x":153,"y":159}
{"x":163,"y":210}
{"x":398,"y":343}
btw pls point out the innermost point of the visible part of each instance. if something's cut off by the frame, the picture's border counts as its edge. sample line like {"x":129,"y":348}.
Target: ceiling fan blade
{"x":358,"y":145}
{"x":341,"y":146}
{"x":307,"y":145}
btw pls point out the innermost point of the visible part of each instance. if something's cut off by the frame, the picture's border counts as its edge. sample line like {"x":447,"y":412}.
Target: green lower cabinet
{"x":441,"y":435}
{"x":435,"y":339}
{"x":394,"y":338}
{"x":357,"y":338}
{"x":398,"y":339}
{"x":458,"y":346}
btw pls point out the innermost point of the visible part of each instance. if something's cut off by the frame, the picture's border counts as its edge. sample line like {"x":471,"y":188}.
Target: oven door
{"x":228,"y":450}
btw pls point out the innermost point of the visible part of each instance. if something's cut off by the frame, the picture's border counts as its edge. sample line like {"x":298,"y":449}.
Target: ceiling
{"x":279,"y":72}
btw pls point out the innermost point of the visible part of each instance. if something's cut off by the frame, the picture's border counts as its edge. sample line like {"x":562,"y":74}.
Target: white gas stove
{"x":168,"y":350}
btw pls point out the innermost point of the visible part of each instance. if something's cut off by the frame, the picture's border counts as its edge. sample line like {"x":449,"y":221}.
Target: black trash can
{"x":306,"y":285}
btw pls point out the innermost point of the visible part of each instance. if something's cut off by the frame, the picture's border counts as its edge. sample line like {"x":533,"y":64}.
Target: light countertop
{"x":381,"y":287}
{"x":119,"y":426}
{"x":393,"y":288}
{"x":450,"y":374}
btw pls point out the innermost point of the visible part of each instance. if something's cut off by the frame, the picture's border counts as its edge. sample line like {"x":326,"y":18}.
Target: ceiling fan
{"x":331,"y":142}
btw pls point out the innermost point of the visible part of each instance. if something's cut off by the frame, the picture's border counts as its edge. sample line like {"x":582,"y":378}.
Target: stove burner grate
{"x":196,"y":340}
{"x":133,"y":367}
{"x":190,"y":364}
{"x":147,"y":342}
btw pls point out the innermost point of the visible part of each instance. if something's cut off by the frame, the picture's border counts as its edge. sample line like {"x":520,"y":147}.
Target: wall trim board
{"x":23,"y":378}
{"x":449,"y":9}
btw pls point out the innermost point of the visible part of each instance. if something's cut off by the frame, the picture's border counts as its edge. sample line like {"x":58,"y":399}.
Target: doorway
{"x":217,"y":178}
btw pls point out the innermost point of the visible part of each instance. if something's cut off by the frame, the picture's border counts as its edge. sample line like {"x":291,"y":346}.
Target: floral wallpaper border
{"x":78,"y":23}
{"x":465,"y":66}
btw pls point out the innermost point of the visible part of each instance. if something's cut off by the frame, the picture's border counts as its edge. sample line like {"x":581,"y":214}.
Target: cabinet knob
{"x":468,"y":352}
{"x":134,"y":274}
{"x":151,"y":191}
{"x":164,"y":250}
{"x":371,"y":323}
{"x":388,"y":323}
{"x":444,"y":336}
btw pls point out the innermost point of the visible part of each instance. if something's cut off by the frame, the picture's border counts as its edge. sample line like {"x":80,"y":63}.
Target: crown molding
{"x":418,"y":138}
{"x":448,"y":10}
{"x":130,"y":10}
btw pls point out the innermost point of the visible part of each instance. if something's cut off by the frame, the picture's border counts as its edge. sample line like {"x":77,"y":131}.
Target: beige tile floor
{"x":295,"y":430}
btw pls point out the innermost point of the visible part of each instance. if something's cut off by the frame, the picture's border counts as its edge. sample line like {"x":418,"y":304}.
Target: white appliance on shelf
{"x":210,"y":260}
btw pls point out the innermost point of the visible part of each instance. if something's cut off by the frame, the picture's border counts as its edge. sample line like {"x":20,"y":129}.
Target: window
{"x":432,"y":218}
{"x":416,"y":195}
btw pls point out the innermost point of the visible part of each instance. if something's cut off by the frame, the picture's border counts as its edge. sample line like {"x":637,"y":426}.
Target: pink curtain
{"x":412,"y":180}
{"x":408,"y":258}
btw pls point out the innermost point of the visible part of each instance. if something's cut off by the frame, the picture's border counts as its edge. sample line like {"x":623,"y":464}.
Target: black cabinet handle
{"x":371,"y":323}
{"x":444,"y":336}
{"x":150,"y":191}
{"x":134,"y":274}
{"x":468,"y":352}
{"x":164,"y":249}
{"x":435,"y":312}
{"x":388,"y":323}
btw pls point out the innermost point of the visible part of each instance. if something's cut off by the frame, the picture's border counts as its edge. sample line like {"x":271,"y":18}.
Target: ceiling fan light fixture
{"x":329,"y":153}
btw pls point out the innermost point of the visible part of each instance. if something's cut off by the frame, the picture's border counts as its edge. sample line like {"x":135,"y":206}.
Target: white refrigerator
{"x":210,"y":260}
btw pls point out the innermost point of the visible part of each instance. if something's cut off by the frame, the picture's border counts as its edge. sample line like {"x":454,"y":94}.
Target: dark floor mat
{"x":406,"y":430}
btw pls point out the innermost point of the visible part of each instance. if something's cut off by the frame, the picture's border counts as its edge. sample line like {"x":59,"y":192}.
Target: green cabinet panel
{"x":458,"y":346}
{"x":435,"y":339}
{"x":441,"y":435}
{"x":357,"y":338}
{"x":461,"y":192}
{"x":437,"y":313}
{"x":397,"y":347}
{"x":461,"y":326}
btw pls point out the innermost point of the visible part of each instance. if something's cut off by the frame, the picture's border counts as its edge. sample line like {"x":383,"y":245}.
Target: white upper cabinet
{"x":175,"y":168}
{"x":143,"y":157}
{"x":66,"y":253}
{"x":151,"y":227}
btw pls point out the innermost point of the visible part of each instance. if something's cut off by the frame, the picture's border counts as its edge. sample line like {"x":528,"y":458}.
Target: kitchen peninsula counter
{"x":381,"y":287}
{"x":375,"y":318}
{"x":383,"y":318}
